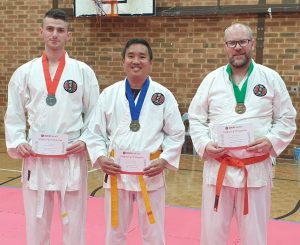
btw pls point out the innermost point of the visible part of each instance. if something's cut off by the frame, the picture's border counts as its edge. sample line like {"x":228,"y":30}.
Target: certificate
{"x":132,"y":162}
{"x":235,"y":136}
{"x":48,"y":145}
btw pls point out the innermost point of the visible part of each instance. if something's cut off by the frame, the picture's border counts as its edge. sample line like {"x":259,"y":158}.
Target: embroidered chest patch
{"x":260,"y":90}
{"x":158,"y":99}
{"x":70,"y":86}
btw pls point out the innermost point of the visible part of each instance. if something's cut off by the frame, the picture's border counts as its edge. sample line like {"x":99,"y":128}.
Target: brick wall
{"x":185,"y":49}
{"x":173,"y":3}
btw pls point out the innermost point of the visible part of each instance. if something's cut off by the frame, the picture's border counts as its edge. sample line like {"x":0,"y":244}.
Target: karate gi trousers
{"x":38,"y":230}
{"x":215,"y":226}
{"x":152,"y":234}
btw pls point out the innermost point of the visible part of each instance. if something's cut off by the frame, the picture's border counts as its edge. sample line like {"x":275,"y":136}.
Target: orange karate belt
{"x":114,"y":194}
{"x":238,"y":163}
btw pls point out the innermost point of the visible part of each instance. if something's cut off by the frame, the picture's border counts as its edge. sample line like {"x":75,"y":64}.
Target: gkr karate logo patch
{"x":158,"y":99}
{"x":70,"y":86}
{"x":260,"y":90}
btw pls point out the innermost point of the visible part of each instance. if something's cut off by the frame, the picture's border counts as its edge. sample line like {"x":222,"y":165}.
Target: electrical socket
{"x":294,"y":89}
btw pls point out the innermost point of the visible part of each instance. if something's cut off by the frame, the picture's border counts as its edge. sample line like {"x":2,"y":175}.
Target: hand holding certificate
{"x":132,"y":162}
{"x":49,"y":145}
{"x":235,"y":136}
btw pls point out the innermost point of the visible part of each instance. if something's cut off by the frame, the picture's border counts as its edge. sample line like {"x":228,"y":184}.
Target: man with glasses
{"x":240,"y":117}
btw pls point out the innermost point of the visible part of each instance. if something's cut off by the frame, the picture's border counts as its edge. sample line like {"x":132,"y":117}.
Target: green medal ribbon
{"x":239,"y":94}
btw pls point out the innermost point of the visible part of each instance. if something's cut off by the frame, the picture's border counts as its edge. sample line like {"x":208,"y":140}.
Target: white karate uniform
{"x":76,"y":94}
{"x":161,"y":128}
{"x":273,"y":116}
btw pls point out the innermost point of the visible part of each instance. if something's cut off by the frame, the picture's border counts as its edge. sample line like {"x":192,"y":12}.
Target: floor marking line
{"x":94,"y":191}
{"x":10,"y":180}
{"x":93,"y":170}
{"x":296,"y":208}
{"x":10,"y":170}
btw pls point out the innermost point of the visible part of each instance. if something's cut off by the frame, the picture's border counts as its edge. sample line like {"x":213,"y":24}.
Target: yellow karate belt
{"x":114,"y":194}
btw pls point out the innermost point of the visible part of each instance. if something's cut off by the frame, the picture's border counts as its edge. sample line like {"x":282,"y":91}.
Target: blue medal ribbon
{"x":135,"y":110}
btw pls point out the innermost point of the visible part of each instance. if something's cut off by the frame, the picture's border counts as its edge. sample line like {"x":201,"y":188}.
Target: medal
{"x":240,"y":94}
{"x":51,"y":100}
{"x":240,"y":108}
{"x":134,"y":126}
{"x":52,"y":85}
{"x":135,"y":109}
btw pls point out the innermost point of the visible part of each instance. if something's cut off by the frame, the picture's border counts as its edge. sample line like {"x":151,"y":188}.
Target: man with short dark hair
{"x":136,"y":132}
{"x":57,"y":93}
{"x":240,"y":117}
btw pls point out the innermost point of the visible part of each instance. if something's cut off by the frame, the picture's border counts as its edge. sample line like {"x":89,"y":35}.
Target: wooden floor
{"x":184,"y":186}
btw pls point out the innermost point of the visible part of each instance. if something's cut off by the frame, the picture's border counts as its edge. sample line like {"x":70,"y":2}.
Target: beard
{"x":241,"y":62}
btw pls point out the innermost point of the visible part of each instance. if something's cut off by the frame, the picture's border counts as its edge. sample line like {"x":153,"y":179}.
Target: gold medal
{"x":240,"y":108}
{"x":134,"y":126}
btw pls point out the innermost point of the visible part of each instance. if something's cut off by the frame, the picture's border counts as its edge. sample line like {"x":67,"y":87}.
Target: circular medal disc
{"x":51,"y":100}
{"x":240,"y":108}
{"x":134,"y":126}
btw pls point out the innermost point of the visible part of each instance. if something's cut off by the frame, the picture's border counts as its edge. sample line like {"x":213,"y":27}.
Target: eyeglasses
{"x":242,"y":43}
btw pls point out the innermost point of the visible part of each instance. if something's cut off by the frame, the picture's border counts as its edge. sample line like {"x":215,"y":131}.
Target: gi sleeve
{"x":96,"y":135}
{"x":283,"y":126}
{"x":15,"y":116}
{"x":198,"y":117}
{"x":90,"y":97}
{"x":174,"y":133}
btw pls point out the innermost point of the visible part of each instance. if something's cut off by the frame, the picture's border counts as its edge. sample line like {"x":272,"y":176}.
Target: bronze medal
{"x":240,"y":93}
{"x":134,"y":126}
{"x":51,"y":100}
{"x":240,"y":108}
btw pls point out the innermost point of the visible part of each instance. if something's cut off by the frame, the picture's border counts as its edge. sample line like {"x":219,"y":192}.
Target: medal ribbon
{"x":52,"y":85}
{"x":135,"y":110}
{"x":239,"y":94}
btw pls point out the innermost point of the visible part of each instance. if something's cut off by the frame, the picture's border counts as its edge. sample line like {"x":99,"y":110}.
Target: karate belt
{"x":238,"y":163}
{"x":114,"y":194}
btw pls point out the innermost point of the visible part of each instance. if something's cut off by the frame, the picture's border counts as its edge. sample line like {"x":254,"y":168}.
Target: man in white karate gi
{"x":240,"y":117}
{"x":136,"y":132}
{"x":55,"y":95}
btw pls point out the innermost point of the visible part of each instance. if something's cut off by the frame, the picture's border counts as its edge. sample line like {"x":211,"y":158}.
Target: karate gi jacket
{"x":76,"y":94}
{"x":161,"y":129}
{"x":268,"y":109}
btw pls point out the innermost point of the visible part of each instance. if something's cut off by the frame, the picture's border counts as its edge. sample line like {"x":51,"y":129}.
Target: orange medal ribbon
{"x":239,"y":163}
{"x":52,"y":85}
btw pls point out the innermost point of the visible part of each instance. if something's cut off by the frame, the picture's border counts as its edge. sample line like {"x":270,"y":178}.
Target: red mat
{"x":182,"y":225}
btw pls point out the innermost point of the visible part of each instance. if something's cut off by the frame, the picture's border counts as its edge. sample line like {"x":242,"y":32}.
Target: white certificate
{"x":235,"y":136}
{"x":132,"y":162}
{"x":49,"y":144}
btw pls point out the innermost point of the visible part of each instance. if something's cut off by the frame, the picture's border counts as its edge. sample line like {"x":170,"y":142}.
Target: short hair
{"x":239,"y":25}
{"x":57,"y":14}
{"x":137,"y":41}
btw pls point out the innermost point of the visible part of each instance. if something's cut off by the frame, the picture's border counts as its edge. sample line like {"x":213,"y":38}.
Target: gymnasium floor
{"x":184,"y":186}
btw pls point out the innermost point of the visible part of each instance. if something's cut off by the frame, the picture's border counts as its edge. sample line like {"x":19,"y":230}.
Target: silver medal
{"x":51,"y":100}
